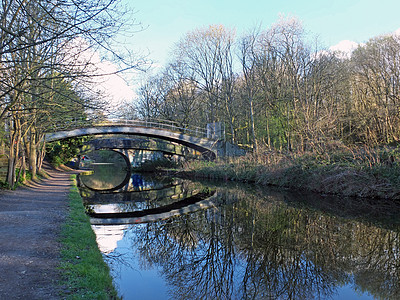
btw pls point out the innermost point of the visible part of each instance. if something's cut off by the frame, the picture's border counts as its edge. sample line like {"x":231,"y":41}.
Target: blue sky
{"x":167,"y":21}
{"x":333,"y":21}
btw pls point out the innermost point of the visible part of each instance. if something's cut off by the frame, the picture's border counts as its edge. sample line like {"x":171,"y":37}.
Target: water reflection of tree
{"x":101,"y":178}
{"x":277,"y":264}
{"x":259,"y":248}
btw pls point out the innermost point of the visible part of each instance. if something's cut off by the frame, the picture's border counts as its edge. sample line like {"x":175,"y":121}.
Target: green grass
{"x":85,"y":274}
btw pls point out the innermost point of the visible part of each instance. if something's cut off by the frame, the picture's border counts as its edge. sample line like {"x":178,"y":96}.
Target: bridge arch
{"x":136,"y":143}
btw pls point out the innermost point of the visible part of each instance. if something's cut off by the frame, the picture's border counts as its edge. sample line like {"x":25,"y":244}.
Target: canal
{"x":172,"y":238}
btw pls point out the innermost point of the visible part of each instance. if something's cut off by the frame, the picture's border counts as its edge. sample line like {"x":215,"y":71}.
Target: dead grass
{"x":357,"y":172}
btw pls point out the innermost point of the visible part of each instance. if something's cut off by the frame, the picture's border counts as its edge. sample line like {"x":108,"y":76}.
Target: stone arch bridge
{"x":207,"y":142}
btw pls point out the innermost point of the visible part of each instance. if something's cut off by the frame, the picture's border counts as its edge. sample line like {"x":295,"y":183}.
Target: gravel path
{"x":30,"y":224}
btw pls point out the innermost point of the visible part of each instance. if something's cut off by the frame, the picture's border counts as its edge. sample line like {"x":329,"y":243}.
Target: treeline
{"x":277,"y":88}
{"x":46,"y":50}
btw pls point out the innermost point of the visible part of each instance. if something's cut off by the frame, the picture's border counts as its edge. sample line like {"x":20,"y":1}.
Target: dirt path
{"x":30,"y":223}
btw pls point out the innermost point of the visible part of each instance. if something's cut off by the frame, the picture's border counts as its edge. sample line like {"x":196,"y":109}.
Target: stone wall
{"x":225,"y":149}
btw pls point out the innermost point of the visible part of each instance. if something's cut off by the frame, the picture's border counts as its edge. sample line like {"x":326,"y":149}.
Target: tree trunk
{"x":15,"y":138}
{"x":33,"y":153}
{"x":253,"y":131}
{"x":41,"y":154}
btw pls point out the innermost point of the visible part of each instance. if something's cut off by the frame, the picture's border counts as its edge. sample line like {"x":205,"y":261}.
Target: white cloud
{"x":105,"y":77}
{"x":113,"y":85}
{"x":344,"y":48}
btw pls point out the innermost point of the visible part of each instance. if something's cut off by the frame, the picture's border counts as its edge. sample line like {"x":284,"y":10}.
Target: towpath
{"x":30,"y":225}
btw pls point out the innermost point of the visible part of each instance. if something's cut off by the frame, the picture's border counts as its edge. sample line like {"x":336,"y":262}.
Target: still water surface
{"x":179,"y":239}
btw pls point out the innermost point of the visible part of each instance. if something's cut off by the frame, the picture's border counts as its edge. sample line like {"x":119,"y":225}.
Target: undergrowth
{"x":362,"y":171}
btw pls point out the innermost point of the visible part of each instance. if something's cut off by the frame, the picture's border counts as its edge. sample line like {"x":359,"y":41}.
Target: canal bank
{"x":359,"y":172}
{"x":31,"y":224}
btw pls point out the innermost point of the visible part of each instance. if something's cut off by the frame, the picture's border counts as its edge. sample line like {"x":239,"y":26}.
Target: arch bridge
{"x":208,"y":142}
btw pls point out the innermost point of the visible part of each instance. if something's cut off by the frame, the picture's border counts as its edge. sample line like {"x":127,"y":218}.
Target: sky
{"x":166,"y":21}
{"x":337,"y":23}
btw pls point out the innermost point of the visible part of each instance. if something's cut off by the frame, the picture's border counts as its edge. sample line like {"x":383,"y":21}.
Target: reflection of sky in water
{"x":108,"y":236}
{"x":138,"y":182}
{"x":105,"y":208}
{"x":138,"y":279}
{"x":117,"y":208}
{"x":347,"y":292}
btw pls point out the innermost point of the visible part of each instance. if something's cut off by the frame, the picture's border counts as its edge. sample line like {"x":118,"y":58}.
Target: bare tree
{"x":375,"y":81}
{"x":200,"y":51}
{"x":38,"y":70}
{"x":247,"y":57}
{"x":182,"y":96}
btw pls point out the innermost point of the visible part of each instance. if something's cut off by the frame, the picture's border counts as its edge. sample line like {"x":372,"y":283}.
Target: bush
{"x":60,"y":152}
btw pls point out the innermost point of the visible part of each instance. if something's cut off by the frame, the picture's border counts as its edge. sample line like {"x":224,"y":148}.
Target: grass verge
{"x":85,"y":274}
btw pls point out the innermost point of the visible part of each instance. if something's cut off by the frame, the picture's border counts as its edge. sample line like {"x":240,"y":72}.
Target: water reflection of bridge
{"x":178,"y":208}
{"x":143,"y":199}
{"x":170,"y":193}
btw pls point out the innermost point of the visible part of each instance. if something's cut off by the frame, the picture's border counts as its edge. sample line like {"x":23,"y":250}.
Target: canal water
{"x":171,"y":238}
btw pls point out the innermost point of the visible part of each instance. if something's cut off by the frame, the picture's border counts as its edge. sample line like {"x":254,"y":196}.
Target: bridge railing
{"x":152,"y":123}
{"x":161,"y":124}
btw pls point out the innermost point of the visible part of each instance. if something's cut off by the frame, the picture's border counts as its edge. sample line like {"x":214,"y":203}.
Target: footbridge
{"x":205,"y":141}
